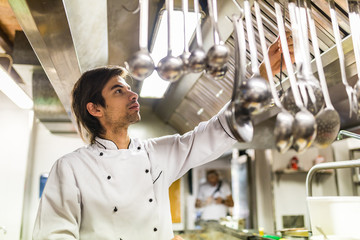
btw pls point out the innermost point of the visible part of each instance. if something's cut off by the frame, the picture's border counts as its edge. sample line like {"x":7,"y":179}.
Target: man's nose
{"x":133,"y":95}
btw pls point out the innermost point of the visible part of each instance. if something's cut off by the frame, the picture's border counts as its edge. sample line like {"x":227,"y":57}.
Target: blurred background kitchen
{"x":46,"y":45}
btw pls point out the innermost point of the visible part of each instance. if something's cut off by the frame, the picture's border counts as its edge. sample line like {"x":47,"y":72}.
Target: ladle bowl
{"x":217,"y":73}
{"x":289,"y":101}
{"x":283,"y":131}
{"x":328,"y":126}
{"x":141,"y":65}
{"x":217,"y":56}
{"x":197,"y":60}
{"x":255,"y":94}
{"x":185,"y":58}
{"x":170,"y":68}
{"x":304,"y":130}
{"x":239,"y":123}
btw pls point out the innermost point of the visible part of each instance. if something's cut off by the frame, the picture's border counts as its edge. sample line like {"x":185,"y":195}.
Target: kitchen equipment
{"x":141,"y":65}
{"x":328,"y":120}
{"x":337,"y":216}
{"x":284,"y":120}
{"x":186,"y":54}
{"x":304,"y":126}
{"x":256,"y":92}
{"x":353,"y":104}
{"x":170,"y":68}
{"x":218,"y":54}
{"x":308,"y":85}
{"x":237,"y":119}
{"x":354,"y":19}
{"x":322,"y":232}
{"x":197,"y":59}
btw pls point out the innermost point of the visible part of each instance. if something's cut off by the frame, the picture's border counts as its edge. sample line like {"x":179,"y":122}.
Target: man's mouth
{"x":135,"y":106}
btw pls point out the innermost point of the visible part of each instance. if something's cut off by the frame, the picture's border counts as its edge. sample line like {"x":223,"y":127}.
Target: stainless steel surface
{"x":328,"y":165}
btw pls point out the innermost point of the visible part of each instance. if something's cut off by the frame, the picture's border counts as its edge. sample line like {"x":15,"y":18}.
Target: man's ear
{"x":94,"y":109}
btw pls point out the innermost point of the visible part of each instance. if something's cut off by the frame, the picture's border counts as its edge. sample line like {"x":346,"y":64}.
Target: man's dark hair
{"x":212,"y":171}
{"x":88,"y":89}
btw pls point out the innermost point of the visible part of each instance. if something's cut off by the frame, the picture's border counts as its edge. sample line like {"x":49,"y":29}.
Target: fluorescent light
{"x":154,"y":86}
{"x":13,"y":90}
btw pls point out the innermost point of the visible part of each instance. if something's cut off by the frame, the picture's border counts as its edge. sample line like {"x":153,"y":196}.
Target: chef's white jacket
{"x":101,"y":192}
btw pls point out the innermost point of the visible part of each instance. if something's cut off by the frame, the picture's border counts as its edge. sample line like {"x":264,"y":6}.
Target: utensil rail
{"x":329,"y":165}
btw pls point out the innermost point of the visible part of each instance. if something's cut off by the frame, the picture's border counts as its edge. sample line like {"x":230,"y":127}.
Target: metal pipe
{"x":347,"y":133}
{"x":329,"y":165}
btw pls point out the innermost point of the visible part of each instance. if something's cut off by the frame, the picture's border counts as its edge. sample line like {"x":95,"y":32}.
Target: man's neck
{"x":120,"y":138}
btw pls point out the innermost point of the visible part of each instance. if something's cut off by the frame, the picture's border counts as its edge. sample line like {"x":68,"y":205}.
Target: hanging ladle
{"x":308,"y":85}
{"x":237,"y":119}
{"x":284,"y":119}
{"x":141,"y":65}
{"x":353,"y":105}
{"x":218,"y":55}
{"x":328,"y":120}
{"x":304,"y":126}
{"x":185,"y":56}
{"x":170,"y":68}
{"x":255,"y":91}
{"x":354,"y":18}
{"x":197,"y":60}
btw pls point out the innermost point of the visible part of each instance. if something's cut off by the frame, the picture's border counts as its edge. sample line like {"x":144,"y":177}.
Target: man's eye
{"x":118,"y":91}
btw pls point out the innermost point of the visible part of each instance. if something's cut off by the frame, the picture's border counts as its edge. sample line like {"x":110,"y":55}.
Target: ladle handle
{"x":286,"y":55}
{"x":238,"y":40}
{"x":318,"y":60}
{"x":295,"y":33}
{"x":169,"y":9}
{"x":265,"y":54}
{"x":339,"y":49}
{"x":143,"y":28}
{"x":354,"y":18}
{"x":185,"y":13}
{"x":304,"y":40}
{"x":251,"y":37}
{"x":198,"y":25}
{"x":212,"y":4}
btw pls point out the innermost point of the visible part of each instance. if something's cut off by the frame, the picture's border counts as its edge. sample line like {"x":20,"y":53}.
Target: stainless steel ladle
{"x":185,"y":56}
{"x":353,"y":104}
{"x":328,"y":120}
{"x":304,"y":127}
{"x":218,"y":55}
{"x":197,"y":60}
{"x":141,"y":65}
{"x":284,"y":119}
{"x":237,"y":119}
{"x":308,"y":85}
{"x":256,"y":92}
{"x":170,"y":68}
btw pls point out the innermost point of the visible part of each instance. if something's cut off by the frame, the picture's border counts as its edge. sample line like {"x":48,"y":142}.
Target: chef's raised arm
{"x":176,"y":154}
{"x":59,"y":212}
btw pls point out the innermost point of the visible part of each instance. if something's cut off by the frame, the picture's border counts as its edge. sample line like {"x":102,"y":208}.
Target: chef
{"x":117,"y":187}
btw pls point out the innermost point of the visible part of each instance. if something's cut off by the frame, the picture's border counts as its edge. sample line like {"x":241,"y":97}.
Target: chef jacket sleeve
{"x":176,"y":154}
{"x":59,"y":212}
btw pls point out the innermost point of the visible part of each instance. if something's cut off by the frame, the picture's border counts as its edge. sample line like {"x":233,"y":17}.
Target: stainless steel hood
{"x":70,"y":37}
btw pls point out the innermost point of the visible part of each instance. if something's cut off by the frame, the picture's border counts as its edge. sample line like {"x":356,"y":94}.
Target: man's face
{"x":121,"y":105}
{"x":212,"y":178}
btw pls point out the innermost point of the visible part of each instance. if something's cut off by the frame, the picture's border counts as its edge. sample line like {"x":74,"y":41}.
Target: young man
{"x":117,"y":187}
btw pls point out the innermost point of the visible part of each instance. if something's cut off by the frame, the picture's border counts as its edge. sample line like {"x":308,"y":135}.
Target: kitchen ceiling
{"x":70,"y":37}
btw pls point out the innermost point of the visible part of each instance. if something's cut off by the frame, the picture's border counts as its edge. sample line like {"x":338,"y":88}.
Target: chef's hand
{"x":219,"y":200}
{"x":177,"y":237}
{"x":274,"y":53}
